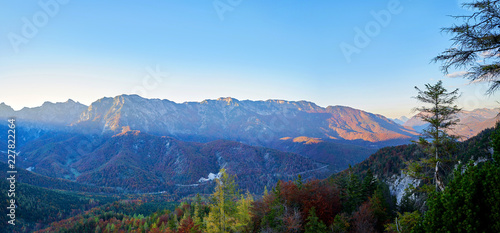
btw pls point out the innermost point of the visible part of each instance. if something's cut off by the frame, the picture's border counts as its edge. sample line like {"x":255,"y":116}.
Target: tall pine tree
{"x":436,"y":138}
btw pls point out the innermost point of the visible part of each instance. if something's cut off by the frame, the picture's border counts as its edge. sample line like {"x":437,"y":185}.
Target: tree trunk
{"x":439,"y":181}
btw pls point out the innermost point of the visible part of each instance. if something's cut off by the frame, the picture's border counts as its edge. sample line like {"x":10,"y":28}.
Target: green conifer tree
{"x":441,"y":116}
{"x":223,"y":206}
{"x":314,"y":225}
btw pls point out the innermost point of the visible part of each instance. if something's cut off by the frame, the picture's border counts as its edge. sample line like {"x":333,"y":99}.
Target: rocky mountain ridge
{"x":250,"y":122}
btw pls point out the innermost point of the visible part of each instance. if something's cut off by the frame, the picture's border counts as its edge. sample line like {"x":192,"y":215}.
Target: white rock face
{"x":398,"y":184}
{"x":211,"y":176}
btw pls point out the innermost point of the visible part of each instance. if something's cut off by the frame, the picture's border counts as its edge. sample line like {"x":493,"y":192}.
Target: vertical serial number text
{"x":11,"y":172}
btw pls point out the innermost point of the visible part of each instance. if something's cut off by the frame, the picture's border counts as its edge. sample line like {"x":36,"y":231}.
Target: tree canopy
{"x":476,"y":44}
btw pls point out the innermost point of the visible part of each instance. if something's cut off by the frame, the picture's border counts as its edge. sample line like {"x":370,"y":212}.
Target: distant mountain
{"x":49,"y":114}
{"x":416,"y":123}
{"x":6,"y":110}
{"x":137,"y":161}
{"x":401,"y":120}
{"x":471,"y":122}
{"x":251,"y":122}
{"x":32,"y":123}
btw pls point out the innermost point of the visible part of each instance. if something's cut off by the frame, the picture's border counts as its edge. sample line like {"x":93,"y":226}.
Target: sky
{"x":367,"y":55}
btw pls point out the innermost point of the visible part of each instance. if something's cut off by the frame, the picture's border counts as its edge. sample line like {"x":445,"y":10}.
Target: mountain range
{"x":470,"y":124}
{"x":251,"y":122}
{"x":143,"y":145}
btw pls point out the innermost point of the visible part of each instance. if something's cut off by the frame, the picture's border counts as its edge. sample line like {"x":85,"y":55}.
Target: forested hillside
{"x":356,"y":200}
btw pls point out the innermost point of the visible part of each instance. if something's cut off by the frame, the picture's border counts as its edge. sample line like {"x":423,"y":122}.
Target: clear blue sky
{"x":257,"y":50}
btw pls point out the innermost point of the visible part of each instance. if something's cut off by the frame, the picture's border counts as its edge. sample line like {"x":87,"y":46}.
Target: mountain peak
{"x":46,"y":103}
{"x":5,"y":108}
{"x":229,"y":100}
{"x":70,"y":101}
{"x":127,"y":97}
{"x":401,"y":120}
{"x":131,"y":96}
